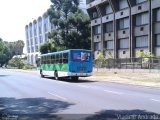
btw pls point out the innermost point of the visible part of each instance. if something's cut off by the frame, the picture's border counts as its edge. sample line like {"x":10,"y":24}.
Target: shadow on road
{"x":81,"y":80}
{"x":31,"y":108}
{"x":4,"y":75}
{"x":124,"y":115}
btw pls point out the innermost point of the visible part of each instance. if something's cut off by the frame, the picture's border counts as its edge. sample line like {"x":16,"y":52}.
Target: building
{"x":36,"y":34}
{"x":124,"y":27}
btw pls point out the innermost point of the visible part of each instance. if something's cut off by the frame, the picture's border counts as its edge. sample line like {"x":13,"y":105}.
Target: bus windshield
{"x":84,"y":56}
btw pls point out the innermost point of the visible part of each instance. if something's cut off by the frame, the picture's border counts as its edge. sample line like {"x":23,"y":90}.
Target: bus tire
{"x":56,"y":75}
{"x":74,"y":78}
{"x":41,"y":73}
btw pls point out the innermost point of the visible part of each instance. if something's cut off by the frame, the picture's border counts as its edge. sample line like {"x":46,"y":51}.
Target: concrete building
{"x":124,"y":27}
{"x":36,"y":34}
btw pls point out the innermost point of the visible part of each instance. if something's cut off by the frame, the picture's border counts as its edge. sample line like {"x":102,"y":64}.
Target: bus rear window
{"x":80,"y":56}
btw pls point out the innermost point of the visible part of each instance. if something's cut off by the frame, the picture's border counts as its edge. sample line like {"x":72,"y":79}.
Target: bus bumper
{"x":80,"y":74}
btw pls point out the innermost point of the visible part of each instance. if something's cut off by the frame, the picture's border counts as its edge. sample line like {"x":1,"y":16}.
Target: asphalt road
{"x":27,"y":96}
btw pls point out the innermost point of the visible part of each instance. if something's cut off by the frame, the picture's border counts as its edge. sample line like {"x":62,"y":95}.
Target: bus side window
{"x":41,"y":60}
{"x":60,"y":58}
{"x":57,"y":58}
{"x":49,"y":60}
{"x":65,"y":57}
{"x":44,"y":60}
{"x":52,"y":59}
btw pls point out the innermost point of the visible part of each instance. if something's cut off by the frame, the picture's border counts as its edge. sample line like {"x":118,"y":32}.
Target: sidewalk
{"x":126,"y":76}
{"x":117,"y":76}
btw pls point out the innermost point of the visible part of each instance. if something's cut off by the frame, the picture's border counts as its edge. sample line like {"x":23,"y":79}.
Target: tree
{"x":16,"y":62}
{"x":144,"y":54}
{"x":72,"y":25}
{"x":16,"y":47}
{"x":47,"y":47}
{"x":5,"y":54}
{"x":145,"y":58}
{"x":100,"y":59}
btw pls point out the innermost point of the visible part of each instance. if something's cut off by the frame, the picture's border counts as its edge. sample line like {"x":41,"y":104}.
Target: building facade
{"x":124,"y":27}
{"x":36,"y":34}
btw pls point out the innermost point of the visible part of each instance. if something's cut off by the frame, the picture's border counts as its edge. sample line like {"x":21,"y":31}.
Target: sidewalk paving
{"x":118,"y":76}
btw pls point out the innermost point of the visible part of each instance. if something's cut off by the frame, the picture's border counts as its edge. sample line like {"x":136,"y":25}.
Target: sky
{"x":16,"y":14}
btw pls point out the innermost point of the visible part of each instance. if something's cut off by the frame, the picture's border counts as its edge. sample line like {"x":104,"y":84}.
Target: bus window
{"x":44,"y":60}
{"x":41,"y":60}
{"x":53,"y":59}
{"x":60,"y":58}
{"x":65,"y":57}
{"x":80,"y":56}
{"x":57,"y":58}
{"x":49,"y":59}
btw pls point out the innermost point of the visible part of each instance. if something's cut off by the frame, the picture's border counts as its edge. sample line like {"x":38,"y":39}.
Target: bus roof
{"x":64,"y":51}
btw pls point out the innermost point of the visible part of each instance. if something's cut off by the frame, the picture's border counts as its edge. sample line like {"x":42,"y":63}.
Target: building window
{"x":31,"y":41}
{"x":45,"y":28}
{"x":108,"y":9}
{"x":30,"y":33}
{"x":123,"y":4}
{"x":40,"y":30}
{"x":158,"y":40}
{"x":37,"y":48}
{"x":124,"y":43}
{"x":36,"y":41}
{"x":140,"y":1}
{"x":142,"y":19}
{"x":27,"y":42}
{"x":109,"y":27}
{"x":96,"y":46}
{"x":31,"y":59}
{"x":35,"y":29}
{"x":28,"y":49}
{"x":94,"y":15}
{"x":40,"y":39}
{"x":141,"y":41}
{"x":108,"y":44}
{"x":32,"y":49}
{"x":46,"y":36}
{"x":97,"y":30}
{"x":27,"y":34}
{"x":124,"y":23}
{"x":35,"y":32}
{"x":158,"y":15}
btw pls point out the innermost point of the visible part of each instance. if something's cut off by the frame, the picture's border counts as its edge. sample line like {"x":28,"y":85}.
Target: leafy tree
{"x":144,"y":54}
{"x":16,"y":62}
{"x":16,"y":47}
{"x":100,"y":59}
{"x":72,"y":25}
{"x":47,"y":47}
{"x":145,"y":58}
{"x":5,"y":54}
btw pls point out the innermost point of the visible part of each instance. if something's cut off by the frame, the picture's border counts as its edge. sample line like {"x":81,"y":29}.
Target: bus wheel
{"x":74,"y":78}
{"x":56,"y":75}
{"x":42,"y":76}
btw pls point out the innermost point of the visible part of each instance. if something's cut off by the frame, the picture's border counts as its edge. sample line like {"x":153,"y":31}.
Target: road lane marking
{"x":59,"y":82}
{"x":84,"y":86}
{"x":114,"y":92}
{"x":155,"y":100}
{"x":53,"y":94}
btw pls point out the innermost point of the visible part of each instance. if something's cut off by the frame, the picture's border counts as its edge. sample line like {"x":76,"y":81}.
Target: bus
{"x":73,"y":63}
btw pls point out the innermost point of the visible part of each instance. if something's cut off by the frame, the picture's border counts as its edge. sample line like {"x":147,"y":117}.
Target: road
{"x":26,"y":95}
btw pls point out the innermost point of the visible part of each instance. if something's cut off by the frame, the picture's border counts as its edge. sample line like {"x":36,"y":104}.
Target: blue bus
{"x":73,"y":63}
